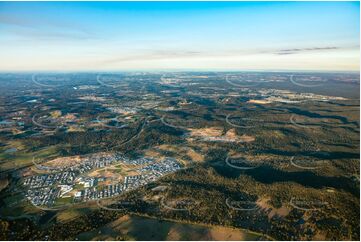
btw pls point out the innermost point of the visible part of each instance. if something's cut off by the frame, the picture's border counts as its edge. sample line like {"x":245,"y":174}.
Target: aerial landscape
{"x":170,"y":153}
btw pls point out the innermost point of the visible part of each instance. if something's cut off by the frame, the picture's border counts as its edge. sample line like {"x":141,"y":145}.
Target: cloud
{"x":300,"y":50}
{"x":14,"y":20}
{"x":50,"y":35}
{"x":44,"y":29}
{"x":180,"y":54}
{"x":156,"y":55}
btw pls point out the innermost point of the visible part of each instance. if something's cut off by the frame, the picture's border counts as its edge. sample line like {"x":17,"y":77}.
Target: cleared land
{"x":142,"y":228}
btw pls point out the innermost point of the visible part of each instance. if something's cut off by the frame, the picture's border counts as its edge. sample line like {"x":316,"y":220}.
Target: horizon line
{"x":176,"y":70}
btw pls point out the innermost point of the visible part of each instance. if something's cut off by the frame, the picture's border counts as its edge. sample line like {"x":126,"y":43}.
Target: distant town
{"x":45,"y":189}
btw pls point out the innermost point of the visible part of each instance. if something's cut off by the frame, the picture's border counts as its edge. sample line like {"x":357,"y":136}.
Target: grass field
{"x":22,"y":157}
{"x":141,"y":228}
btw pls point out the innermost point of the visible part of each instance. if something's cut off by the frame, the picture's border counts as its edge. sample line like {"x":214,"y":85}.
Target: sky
{"x":120,"y":36}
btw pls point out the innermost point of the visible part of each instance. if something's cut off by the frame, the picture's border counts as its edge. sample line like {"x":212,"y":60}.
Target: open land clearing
{"x":216,"y":134}
{"x":142,"y":228}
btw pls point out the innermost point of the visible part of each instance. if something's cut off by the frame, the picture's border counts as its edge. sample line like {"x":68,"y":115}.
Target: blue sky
{"x":179,"y":36}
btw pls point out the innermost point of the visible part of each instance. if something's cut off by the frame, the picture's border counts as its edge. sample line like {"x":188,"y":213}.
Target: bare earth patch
{"x":3,"y":183}
{"x":179,"y":151}
{"x":64,"y":161}
{"x":215,"y":134}
{"x":264,"y":204}
{"x":259,"y":101}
